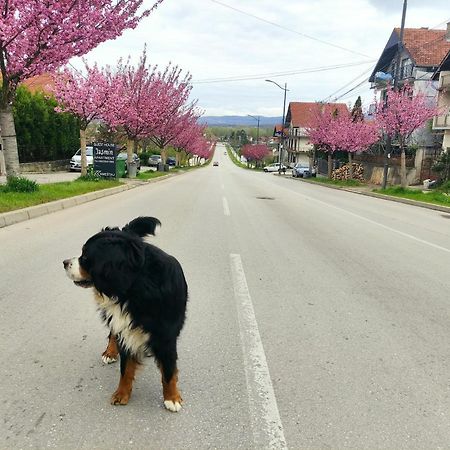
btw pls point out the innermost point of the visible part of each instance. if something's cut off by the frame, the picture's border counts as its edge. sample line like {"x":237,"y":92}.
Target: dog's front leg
{"x":111,"y":354}
{"x":128,"y":366}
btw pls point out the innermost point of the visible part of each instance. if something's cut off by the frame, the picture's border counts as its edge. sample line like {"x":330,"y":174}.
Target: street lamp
{"x":257,"y":130}
{"x":285,"y":89}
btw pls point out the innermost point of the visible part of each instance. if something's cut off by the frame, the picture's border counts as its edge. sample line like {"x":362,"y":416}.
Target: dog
{"x":141,"y":293}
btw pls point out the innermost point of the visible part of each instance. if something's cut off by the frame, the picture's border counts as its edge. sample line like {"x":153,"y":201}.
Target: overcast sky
{"x":213,"y":41}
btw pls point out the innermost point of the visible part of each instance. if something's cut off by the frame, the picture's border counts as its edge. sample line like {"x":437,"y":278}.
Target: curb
{"x":406,"y":201}
{"x":21,"y":215}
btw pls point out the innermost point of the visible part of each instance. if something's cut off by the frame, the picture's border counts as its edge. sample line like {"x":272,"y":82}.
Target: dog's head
{"x":110,"y":260}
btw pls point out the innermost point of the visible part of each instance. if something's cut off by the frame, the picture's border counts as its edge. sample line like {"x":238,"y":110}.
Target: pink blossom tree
{"x":255,"y":153}
{"x":89,"y":97}
{"x":187,"y":140}
{"x":151,"y":102}
{"x":323,"y":131}
{"x":352,"y":135}
{"x":400,"y":115}
{"x":41,"y":36}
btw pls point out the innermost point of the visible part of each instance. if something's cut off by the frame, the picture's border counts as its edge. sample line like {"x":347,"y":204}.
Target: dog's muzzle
{"x":74,"y":272}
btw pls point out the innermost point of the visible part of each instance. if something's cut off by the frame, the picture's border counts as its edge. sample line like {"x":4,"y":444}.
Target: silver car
{"x":302,"y":171}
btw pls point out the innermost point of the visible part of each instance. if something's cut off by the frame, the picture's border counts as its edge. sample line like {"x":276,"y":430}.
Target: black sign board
{"x":105,"y":155}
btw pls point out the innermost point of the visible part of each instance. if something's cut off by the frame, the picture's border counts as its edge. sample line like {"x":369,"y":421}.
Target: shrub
{"x":21,"y":184}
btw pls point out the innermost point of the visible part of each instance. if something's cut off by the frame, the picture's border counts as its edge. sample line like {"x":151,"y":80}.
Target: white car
{"x":275,"y":167}
{"x":75,"y":162}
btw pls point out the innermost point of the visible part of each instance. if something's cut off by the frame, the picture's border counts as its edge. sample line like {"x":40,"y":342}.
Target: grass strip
{"x":435,"y":197}
{"x":343,"y":183}
{"x":10,"y":201}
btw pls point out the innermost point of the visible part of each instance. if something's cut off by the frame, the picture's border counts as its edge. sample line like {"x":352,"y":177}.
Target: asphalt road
{"x":317,"y":319}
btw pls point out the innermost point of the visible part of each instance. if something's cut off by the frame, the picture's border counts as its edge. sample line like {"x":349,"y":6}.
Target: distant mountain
{"x":239,"y":121}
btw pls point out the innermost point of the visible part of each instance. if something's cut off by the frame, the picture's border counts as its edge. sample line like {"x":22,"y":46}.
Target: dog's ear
{"x":142,"y":226}
{"x":117,"y":268}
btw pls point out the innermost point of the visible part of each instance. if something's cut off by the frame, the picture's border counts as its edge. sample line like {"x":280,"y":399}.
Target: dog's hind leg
{"x":166,"y":357}
{"x":128,"y":366}
{"x":111,"y":354}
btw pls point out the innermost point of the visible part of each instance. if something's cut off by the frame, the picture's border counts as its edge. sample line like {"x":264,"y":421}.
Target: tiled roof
{"x":427,"y":47}
{"x":39,"y":83}
{"x":300,"y":114}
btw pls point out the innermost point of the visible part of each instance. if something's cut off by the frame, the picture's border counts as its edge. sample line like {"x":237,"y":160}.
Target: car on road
{"x":302,"y":170}
{"x":75,"y":162}
{"x":171,"y":161}
{"x":215,"y":163}
{"x":275,"y":167}
{"x":154,"y":160}
{"x":124,"y":156}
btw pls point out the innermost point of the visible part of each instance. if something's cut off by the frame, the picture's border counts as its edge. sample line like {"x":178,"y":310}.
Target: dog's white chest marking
{"x":134,"y":339}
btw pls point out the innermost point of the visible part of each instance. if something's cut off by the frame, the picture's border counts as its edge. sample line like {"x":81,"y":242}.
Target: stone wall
{"x":44,"y":167}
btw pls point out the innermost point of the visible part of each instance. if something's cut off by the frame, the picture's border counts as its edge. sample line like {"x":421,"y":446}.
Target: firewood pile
{"x":343,"y":173}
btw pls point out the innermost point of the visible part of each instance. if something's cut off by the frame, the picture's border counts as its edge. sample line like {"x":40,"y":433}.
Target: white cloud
{"x":212,"y":41}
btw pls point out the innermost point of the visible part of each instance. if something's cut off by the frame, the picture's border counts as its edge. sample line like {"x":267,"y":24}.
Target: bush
{"x":20,"y":184}
{"x":446,"y":187}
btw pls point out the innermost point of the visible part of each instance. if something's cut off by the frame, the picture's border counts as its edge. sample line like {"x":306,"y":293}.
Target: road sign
{"x":105,"y":155}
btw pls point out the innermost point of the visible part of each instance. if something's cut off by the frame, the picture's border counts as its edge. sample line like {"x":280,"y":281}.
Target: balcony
{"x":442,"y":122}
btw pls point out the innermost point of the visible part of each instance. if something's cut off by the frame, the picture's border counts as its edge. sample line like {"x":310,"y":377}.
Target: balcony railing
{"x":442,"y":122}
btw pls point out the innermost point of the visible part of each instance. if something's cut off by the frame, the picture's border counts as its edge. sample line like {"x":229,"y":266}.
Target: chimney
{"x":447,"y":34}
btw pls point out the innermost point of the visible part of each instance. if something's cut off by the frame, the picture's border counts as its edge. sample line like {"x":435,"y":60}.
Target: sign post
{"x":105,"y":156}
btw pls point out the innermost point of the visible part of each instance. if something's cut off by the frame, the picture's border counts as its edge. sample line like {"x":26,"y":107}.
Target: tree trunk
{"x":330,"y":162}
{"x":83,"y":152}
{"x":403,"y":166}
{"x":8,"y":134}
{"x":350,"y":166}
{"x":163,"y":155}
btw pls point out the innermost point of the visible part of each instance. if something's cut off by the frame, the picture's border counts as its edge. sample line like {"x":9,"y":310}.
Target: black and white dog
{"x":141,"y":293}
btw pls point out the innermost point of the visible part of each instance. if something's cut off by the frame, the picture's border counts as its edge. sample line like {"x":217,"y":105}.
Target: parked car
{"x":301,"y":171}
{"x":154,"y":160}
{"x":215,"y":163}
{"x":75,"y":162}
{"x":124,"y":156}
{"x":171,"y":160}
{"x":275,"y":167}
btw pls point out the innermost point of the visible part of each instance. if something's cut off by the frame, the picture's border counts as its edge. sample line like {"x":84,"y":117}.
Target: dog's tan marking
{"x":123,"y":391}
{"x":111,"y":353}
{"x":171,"y":394}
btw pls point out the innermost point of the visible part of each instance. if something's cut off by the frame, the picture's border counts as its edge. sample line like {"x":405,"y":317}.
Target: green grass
{"x":238,"y":163}
{"x":435,"y":197}
{"x":343,"y":183}
{"x":150,"y":174}
{"x":10,"y":201}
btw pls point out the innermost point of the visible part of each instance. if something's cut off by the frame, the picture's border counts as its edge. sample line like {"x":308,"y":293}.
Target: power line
{"x":279,"y":74}
{"x":289,"y":29}
{"x":347,"y":84}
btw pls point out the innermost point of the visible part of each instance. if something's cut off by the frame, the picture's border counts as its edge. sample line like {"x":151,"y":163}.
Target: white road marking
{"x":226,"y":208}
{"x":265,"y":419}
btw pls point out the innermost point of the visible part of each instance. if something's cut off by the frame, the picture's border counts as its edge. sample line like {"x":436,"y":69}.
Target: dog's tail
{"x":142,"y":226}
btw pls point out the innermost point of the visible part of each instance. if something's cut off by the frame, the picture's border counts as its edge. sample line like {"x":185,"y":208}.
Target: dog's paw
{"x":173,"y":406}
{"x":120,"y":398}
{"x":108,"y":359}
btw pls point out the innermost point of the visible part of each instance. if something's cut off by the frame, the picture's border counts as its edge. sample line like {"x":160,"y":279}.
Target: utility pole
{"x":388,"y":149}
{"x":280,"y":155}
{"x":257,"y":130}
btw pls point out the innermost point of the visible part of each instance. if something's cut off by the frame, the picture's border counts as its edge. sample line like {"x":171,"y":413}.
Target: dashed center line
{"x":226,"y":208}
